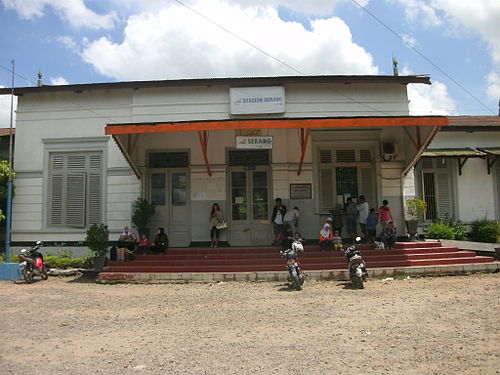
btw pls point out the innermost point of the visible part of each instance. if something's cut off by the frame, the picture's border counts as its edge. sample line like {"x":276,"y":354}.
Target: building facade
{"x":84,"y":153}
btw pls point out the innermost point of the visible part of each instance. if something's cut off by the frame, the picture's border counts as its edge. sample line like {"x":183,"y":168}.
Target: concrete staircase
{"x":224,"y":263}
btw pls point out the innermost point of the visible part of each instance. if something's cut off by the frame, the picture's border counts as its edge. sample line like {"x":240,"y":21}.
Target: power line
{"x":423,"y":56}
{"x":18,"y":75}
{"x":239,"y":37}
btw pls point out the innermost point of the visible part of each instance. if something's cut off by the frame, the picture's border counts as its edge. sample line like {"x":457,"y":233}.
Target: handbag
{"x":221,"y":225}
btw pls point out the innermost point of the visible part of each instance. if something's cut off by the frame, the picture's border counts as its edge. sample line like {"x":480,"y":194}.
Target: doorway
{"x":249,"y":209}
{"x":169,"y":192}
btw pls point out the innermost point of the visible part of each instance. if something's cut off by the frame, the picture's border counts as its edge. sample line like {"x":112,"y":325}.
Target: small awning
{"x":452,"y":152}
{"x":490,"y":154}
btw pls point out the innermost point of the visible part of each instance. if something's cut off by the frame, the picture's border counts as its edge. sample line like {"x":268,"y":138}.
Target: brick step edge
{"x":318,"y":275}
{"x":276,"y":267}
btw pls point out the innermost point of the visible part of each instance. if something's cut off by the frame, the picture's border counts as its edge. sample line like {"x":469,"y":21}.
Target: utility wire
{"x":239,"y":37}
{"x":423,"y":56}
{"x":275,"y":58}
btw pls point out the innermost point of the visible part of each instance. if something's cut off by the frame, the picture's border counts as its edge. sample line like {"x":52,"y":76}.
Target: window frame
{"x":84,"y":145}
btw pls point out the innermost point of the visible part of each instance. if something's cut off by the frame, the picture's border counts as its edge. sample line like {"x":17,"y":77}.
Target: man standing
{"x":279,"y":212}
{"x":363,"y":210}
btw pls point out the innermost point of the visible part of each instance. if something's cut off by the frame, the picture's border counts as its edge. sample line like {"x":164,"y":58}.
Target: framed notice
{"x":300,"y":191}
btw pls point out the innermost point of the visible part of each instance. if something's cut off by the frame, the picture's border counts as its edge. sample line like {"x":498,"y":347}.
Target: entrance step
{"x":268,"y":259}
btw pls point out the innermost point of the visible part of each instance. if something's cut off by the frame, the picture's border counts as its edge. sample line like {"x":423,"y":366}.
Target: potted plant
{"x":98,"y":241}
{"x":415,"y":211}
{"x":142,"y":212}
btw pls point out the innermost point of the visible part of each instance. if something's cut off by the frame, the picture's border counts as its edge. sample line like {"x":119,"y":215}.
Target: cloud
{"x":411,"y":41}
{"x":429,"y":99}
{"x":480,"y":16}
{"x":174,"y":42}
{"x":58,"y":81}
{"x":5,"y":110}
{"x":75,"y":12}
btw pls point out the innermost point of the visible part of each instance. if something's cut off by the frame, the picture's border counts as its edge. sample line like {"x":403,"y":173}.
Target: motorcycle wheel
{"x":296,"y":282}
{"x":27,"y":276}
{"x":44,"y":275}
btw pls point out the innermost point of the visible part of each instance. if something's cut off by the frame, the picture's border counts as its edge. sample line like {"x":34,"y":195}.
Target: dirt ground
{"x":441,"y":325}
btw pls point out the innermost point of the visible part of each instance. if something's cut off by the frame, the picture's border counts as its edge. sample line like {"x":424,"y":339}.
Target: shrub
{"x":97,"y":239}
{"x":440,"y":230}
{"x":485,"y":230}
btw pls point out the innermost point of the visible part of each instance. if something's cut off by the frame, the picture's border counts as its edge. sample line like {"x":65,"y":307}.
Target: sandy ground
{"x":442,"y":325}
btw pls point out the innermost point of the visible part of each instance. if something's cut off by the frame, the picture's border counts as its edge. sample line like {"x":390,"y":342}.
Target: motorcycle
{"x":356,"y":264}
{"x":32,"y":263}
{"x":296,"y":275}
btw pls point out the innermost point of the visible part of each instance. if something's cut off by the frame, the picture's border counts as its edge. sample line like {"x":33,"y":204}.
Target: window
{"x":345,"y":172}
{"x":75,"y":189}
{"x":437,"y":188}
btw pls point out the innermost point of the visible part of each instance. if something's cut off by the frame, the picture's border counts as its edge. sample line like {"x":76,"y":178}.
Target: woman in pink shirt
{"x":385,"y":214}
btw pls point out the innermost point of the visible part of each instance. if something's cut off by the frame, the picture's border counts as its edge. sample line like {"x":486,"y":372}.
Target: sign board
{"x":255,"y":100}
{"x":259,"y":143}
{"x":300,"y":191}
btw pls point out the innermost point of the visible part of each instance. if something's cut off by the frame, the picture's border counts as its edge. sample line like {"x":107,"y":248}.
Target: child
{"x":143,"y":244}
{"x":371,"y":225}
{"x":337,"y":241}
{"x":379,"y":245}
{"x":385,"y":214}
{"x":298,"y":237}
{"x":388,"y":236}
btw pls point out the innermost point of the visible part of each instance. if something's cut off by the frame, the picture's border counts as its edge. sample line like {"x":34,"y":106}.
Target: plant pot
{"x":99,"y":263}
{"x":412,"y":228}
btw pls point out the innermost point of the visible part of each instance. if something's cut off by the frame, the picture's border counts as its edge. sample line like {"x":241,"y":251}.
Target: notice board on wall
{"x":300,"y":191}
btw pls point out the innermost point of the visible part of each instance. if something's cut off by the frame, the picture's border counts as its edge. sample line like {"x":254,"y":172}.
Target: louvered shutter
{"x":326,"y":190}
{"x":56,"y":192}
{"x":95,"y":190}
{"x":75,"y":199}
{"x":367,"y":186}
{"x":498,"y":185}
{"x":444,"y":196}
{"x":325,"y":156}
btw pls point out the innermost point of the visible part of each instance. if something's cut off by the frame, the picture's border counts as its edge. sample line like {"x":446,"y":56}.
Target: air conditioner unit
{"x":389,"y":151}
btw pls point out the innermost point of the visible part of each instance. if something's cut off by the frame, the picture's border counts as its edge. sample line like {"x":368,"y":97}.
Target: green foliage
{"x":440,"y":230}
{"x":97,"y":239}
{"x":59,"y":262}
{"x":485,"y":230}
{"x":447,"y":230}
{"x":14,"y":258}
{"x":142,"y":212}
{"x":4,"y":177}
{"x":415,"y":208}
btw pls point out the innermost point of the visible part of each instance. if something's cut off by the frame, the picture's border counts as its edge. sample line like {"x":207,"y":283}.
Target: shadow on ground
{"x":85,"y":277}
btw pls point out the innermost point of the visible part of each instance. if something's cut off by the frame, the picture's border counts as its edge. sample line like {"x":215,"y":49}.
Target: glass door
{"x":249,"y":198}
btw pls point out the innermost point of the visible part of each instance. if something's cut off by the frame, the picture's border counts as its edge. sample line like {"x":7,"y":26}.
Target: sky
{"x":456,"y":42}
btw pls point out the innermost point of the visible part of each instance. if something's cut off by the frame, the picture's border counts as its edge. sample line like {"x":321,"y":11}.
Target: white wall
{"x":46,"y":117}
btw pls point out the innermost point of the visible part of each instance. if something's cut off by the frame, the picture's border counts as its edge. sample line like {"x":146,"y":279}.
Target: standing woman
{"x":215,"y":218}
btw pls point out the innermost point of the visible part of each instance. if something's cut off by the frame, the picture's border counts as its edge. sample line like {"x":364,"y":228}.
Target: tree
{"x":4,"y":178}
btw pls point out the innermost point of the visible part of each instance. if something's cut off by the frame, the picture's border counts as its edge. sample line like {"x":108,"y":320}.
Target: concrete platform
{"x":10,"y":271}
{"x":113,"y":277}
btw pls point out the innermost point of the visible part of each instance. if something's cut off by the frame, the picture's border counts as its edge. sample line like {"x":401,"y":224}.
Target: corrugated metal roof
{"x":6,"y":131}
{"x":453,"y":152}
{"x":237,"y":81}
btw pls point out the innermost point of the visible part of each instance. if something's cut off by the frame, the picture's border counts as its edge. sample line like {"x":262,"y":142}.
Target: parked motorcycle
{"x":296,"y":275}
{"x":32,"y":263}
{"x":356,"y":264}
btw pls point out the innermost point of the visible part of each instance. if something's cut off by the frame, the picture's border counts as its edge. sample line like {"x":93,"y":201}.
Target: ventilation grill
{"x":325,"y":156}
{"x":168,"y":160}
{"x":365,"y":156}
{"x":427,"y":163}
{"x":346,"y":156}
{"x":248,"y":158}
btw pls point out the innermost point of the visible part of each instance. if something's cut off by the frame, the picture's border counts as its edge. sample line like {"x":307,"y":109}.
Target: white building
{"x":85,"y":152}
{"x":459,"y":174}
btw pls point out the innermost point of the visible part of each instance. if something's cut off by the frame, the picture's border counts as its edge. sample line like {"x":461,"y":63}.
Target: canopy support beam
{"x":203,"y":136}
{"x":304,"y":139}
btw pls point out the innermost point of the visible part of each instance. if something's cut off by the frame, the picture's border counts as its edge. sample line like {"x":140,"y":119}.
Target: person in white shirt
{"x":363,"y":211}
{"x":292,"y":218}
